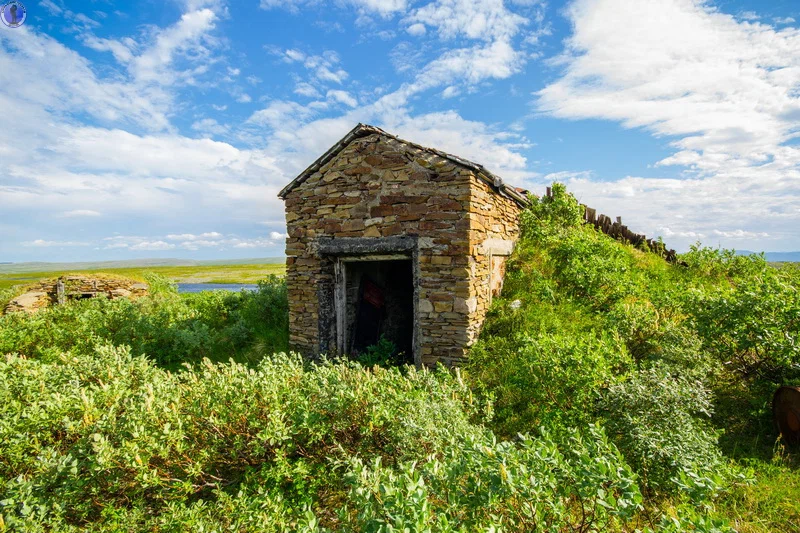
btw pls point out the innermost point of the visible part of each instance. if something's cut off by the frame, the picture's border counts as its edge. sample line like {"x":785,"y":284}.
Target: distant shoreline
{"x":8,"y":267}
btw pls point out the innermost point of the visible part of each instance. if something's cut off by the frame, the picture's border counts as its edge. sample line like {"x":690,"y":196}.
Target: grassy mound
{"x":678,"y":363}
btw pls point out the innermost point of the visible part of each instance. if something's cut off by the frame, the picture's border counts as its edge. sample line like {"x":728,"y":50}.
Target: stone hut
{"x":387,"y":237}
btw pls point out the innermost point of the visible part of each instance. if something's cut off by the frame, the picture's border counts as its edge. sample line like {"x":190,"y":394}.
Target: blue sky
{"x":166,"y":129}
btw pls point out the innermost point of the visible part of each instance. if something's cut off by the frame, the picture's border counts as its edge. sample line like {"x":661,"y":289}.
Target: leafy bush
{"x":383,"y":353}
{"x":477,"y":484}
{"x":753,"y":326}
{"x":167,"y":327}
{"x":91,"y":433}
{"x":659,"y":420}
{"x":109,"y":441}
{"x":550,"y":379}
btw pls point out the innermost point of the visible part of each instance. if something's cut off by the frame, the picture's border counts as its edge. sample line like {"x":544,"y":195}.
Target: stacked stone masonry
{"x":379,"y":188}
{"x":46,"y":293}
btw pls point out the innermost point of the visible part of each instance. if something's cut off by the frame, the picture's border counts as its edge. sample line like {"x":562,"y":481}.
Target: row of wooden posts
{"x":617,"y":230}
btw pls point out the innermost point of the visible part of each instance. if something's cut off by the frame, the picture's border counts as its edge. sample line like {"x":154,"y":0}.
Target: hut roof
{"x":363,"y":130}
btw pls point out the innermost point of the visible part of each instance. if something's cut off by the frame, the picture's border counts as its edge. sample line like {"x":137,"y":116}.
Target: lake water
{"x":199,"y":287}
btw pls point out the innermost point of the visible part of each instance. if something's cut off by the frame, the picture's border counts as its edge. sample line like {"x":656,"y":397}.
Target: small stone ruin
{"x":74,"y":287}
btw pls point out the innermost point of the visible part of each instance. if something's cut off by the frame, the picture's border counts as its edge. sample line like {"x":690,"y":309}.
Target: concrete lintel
{"x":367,"y":245}
{"x":498,"y":247}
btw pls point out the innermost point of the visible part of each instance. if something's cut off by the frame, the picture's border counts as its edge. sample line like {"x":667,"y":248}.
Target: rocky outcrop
{"x":74,"y":287}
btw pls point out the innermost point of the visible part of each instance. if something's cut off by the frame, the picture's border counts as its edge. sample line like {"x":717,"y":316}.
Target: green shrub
{"x":108,"y":442}
{"x":754,"y":326}
{"x":477,"y":484}
{"x":383,"y":353}
{"x":548,"y":379}
{"x":91,"y":434}
{"x":167,"y":327}
{"x":659,"y":420}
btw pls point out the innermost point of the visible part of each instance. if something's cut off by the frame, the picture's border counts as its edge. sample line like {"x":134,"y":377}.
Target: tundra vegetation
{"x":609,"y":391}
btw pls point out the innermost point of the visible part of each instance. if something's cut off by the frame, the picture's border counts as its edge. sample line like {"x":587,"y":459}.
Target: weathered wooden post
{"x":60,"y":297}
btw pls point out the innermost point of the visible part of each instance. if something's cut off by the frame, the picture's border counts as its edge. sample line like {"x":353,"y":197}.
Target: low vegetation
{"x":248,"y":273}
{"x":609,"y":391}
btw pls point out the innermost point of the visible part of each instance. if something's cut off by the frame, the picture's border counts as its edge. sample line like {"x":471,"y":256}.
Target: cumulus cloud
{"x":487,"y":20}
{"x":417,"y":29}
{"x":306,"y":89}
{"x":80,"y":213}
{"x":724,"y":92}
{"x":191,"y":242}
{"x":152,"y":246}
{"x":384,"y":8}
{"x":324,"y":67}
{"x":47,"y":244}
{"x":209,"y":126}
{"x":342,"y":97}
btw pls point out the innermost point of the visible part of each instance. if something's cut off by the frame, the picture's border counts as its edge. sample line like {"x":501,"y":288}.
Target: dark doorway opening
{"x":379,"y":301}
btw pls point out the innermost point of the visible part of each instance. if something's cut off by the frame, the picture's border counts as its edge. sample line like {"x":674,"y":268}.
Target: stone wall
{"x":46,"y":293}
{"x":381,"y":188}
{"x":494,"y":228}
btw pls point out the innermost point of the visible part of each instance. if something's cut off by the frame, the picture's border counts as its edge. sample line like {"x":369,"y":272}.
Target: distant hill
{"x":38,"y":266}
{"x":775,"y":257}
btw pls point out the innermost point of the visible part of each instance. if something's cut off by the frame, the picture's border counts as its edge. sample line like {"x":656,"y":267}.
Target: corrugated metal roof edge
{"x":362,"y":130}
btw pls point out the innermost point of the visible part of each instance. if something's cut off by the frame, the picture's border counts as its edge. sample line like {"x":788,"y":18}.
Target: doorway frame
{"x":346,"y":250}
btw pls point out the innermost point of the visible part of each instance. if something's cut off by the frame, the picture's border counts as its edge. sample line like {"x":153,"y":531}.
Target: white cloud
{"x":384,"y":8}
{"x":192,"y":237}
{"x":450,"y":92}
{"x":749,"y":15}
{"x":474,"y":140}
{"x":326,"y":74}
{"x":80,"y":213}
{"x":306,"y":89}
{"x":783,"y":20}
{"x":60,"y":81}
{"x":192,"y":242}
{"x":475,"y":19}
{"x":416,"y":29}
{"x":47,"y":244}
{"x":343,"y":97}
{"x":740,"y":234}
{"x":152,"y":245}
{"x":324,"y":67}
{"x":281,"y":114}
{"x":52,"y":7}
{"x":725,"y":92}
{"x":667,"y":232}
{"x":209,"y":126}
{"x":185,"y":37}
{"x":492,"y":27}
{"x":729,"y":89}
{"x":496,"y":60}
{"x":294,"y":55}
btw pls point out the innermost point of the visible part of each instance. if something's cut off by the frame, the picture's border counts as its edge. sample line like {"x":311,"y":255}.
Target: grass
{"x":245,"y":273}
{"x":772,"y":501}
